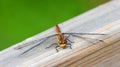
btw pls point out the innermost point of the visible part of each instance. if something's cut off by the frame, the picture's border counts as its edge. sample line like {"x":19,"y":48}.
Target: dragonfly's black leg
{"x":51,"y":45}
{"x":69,"y":41}
{"x":67,"y":36}
{"x":70,"y":45}
{"x":57,"y":48}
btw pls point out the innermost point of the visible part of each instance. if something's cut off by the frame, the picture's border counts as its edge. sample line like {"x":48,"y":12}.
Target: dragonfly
{"x":62,"y":40}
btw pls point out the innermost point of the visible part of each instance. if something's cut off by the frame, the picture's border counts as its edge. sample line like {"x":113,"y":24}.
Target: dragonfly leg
{"x":67,"y":36}
{"x":57,"y":48}
{"x":69,"y":41}
{"x":51,"y":45}
{"x":70,"y":45}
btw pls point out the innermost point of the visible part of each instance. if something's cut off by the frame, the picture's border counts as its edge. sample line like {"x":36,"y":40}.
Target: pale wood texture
{"x":103,"y":19}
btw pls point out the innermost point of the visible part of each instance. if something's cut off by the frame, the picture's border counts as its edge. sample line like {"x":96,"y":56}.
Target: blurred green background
{"x":20,"y":19}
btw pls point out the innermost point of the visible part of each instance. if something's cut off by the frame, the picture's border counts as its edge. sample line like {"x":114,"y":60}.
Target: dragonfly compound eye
{"x":65,"y":41}
{"x":60,"y":42}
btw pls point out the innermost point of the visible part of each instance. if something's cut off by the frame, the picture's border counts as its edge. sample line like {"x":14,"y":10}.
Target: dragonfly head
{"x":62,"y":45}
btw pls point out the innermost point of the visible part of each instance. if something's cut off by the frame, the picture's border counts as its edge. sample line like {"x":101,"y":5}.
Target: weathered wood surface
{"x":103,"y":19}
{"x":105,"y":57}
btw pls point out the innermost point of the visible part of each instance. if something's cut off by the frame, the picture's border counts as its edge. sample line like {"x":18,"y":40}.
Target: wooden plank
{"x":103,"y":19}
{"x":107,"y":57}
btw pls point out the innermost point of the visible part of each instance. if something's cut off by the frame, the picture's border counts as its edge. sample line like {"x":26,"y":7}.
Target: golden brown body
{"x":60,"y":38}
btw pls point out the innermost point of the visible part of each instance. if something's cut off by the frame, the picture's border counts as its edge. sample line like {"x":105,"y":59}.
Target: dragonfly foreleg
{"x":51,"y":45}
{"x":67,"y":37}
{"x":69,"y":45}
{"x":69,"y":41}
{"x":57,"y":48}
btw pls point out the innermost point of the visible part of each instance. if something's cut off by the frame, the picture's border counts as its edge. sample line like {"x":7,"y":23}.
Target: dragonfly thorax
{"x":61,"y":40}
{"x":63,"y":43}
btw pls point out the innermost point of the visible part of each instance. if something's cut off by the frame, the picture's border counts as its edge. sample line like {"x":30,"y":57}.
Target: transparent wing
{"x":72,"y":36}
{"x":33,"y":42}
{"x":86,"y":33}
{"x":38,"y":45}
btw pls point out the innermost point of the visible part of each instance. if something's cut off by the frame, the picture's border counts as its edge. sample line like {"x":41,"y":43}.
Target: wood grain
{"x":103,"y":19}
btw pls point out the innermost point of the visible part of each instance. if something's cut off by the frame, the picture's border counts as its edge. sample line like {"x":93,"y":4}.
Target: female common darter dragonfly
{"x":62,"y":40}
